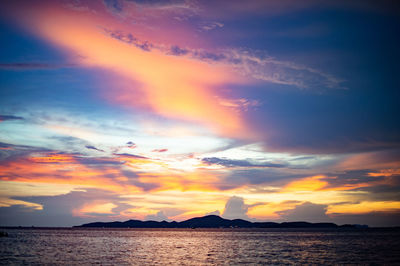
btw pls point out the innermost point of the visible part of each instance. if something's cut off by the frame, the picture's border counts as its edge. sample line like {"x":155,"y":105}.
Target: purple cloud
{"x":239,"y":163}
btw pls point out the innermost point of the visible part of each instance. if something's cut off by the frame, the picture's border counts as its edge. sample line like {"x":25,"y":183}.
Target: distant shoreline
{"x":214,"y":221}
{"x":205,"y":222}
{"x":78,"y":228}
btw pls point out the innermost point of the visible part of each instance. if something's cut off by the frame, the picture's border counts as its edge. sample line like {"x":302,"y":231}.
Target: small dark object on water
{"x":3,"y":234}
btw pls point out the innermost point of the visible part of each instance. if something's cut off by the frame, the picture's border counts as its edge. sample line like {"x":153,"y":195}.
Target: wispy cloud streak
{"x":254,"y":64}
{"x":34,"y":66}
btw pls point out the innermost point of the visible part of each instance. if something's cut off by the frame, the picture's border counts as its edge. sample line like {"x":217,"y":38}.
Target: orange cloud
{"x":315,"y":183}
{"x":195,"y":181}
{"x":63,"y":169}
{"x":307,"y":184}
{"x":374,"y":160}
{"x":107,"y":173}
{"x":176,"y":87}
{"x":364,"y":207}
{"x":386,"y":173}
{"x":95,"y":207}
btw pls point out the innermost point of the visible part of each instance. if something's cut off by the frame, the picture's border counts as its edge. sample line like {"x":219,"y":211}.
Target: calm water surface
{"x":199,"y":246}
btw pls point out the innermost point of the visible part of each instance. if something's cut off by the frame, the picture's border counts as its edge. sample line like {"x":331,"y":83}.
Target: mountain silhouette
{"x":209,"y":221}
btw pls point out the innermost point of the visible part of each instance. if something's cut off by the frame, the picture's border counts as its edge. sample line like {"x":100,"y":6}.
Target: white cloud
{"x":159,"y":216}
{"x":235,"y":208}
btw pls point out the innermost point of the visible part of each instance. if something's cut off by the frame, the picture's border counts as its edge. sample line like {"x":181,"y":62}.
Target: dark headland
{"x":211,"y":221}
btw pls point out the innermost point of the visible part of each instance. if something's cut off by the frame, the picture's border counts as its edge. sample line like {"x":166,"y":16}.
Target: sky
{"x":167,"y":110}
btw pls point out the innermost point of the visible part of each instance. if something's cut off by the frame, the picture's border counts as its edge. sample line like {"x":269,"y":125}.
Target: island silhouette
{"x":210,"y":221}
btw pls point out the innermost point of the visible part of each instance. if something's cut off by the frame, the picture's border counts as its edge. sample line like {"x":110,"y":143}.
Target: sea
{"x":73,"y":246}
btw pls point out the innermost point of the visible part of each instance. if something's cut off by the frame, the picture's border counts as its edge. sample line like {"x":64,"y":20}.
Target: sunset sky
{"x":166,"y":110}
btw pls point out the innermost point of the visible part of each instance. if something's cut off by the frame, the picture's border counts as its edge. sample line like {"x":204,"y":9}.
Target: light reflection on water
{"x":199,"y":247}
